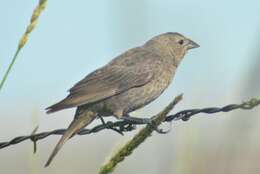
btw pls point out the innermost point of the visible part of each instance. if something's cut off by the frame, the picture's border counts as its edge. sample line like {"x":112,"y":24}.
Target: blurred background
{"x":74,"y":38}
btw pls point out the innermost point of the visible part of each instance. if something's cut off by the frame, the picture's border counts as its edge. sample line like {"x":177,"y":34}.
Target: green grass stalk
{"x":34,"y":19}
{"x":139,"y":138}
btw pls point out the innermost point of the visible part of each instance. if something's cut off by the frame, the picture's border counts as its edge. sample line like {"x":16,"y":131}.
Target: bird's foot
{"x":148,"y":121}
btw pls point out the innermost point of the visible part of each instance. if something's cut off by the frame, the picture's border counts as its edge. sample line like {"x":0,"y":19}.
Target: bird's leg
{"x":149,"y":121}
{"x":102,"y":120}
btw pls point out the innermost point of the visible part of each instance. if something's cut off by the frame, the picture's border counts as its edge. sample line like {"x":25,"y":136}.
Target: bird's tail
{"x":76,"y":125}
{"x":63,"y":104}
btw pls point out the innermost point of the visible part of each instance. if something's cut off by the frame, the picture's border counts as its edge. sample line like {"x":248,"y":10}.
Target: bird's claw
{"x":155,"y":128}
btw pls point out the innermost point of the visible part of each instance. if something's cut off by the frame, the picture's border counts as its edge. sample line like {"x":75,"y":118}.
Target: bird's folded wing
{"x":106,"y":83}
{"x":113,"y":79}
{"x":136,"y":69}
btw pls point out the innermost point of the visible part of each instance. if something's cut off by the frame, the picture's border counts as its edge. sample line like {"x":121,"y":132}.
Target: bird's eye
{"x":181,"y":42}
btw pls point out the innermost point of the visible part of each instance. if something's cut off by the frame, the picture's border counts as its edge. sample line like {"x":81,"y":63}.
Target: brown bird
{"x":127,"y":83}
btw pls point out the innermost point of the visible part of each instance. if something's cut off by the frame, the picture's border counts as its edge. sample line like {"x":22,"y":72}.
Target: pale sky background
{"x":74,"y":38}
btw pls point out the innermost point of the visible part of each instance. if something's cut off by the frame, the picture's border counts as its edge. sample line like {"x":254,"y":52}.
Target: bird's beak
{"x":193,"y":44}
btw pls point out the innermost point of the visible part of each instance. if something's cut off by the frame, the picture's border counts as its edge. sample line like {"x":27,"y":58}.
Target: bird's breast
{"x":138,"y":97}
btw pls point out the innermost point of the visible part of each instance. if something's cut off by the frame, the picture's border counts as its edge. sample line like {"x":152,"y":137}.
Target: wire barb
{"x":33,"y":139}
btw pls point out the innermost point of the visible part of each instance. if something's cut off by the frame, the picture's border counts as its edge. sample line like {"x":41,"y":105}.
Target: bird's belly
{"x":138,"y":97}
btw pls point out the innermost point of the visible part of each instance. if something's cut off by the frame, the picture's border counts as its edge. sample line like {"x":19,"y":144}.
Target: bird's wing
{"x":108,"y":81}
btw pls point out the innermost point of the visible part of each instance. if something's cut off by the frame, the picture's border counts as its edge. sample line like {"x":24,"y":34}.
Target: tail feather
{"x":58,"y":106}
{"x":77,"y":124}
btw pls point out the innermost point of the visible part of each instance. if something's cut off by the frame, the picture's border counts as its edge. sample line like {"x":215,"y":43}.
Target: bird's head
{"x":174,"y":44}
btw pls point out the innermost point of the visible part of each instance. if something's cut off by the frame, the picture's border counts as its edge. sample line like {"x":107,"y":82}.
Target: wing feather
{"x":110,"y":80}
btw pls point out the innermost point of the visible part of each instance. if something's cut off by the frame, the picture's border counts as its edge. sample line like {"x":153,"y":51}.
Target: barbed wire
{"x":126,"y":126}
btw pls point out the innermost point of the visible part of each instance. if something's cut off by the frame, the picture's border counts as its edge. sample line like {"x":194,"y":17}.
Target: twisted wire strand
{"x":126,"y":126}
